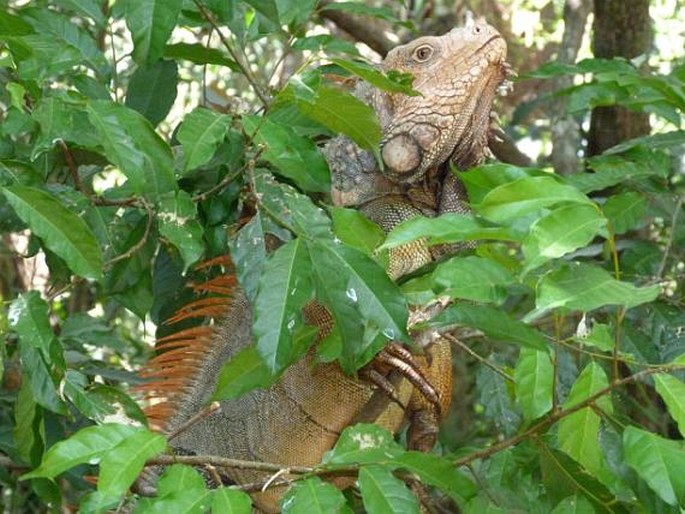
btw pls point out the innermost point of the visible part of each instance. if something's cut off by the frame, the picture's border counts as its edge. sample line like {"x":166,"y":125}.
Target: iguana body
{"x":295,"y":421}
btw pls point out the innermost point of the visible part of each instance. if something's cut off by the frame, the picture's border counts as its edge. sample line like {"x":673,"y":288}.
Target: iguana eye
{"x":423,"y":53}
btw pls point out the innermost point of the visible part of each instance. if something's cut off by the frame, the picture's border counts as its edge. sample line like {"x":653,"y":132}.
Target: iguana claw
{"x":395,"y":357}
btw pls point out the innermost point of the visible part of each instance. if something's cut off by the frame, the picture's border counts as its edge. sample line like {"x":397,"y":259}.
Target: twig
{"x":669,"y":243}
{"x":561,"y":414}
{"x":204,"y":413}
{"x":140,"y":243}
{"x":478,"y":357}
{"x":224,"y":462}
{"x":243,"y":68}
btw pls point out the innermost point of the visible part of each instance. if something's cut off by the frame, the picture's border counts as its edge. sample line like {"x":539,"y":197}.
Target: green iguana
{"x":300,"y":417}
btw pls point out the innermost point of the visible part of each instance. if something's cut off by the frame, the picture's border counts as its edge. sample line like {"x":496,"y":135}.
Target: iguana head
{"x":458,"y":75}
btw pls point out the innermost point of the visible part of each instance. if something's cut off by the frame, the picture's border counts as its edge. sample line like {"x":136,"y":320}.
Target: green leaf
{"x":447,"y":228}
{"x":70,"y":36}
{"x":284,"y":289}
{"x":438,"y":472}
{"x":199,"y":54}
{"x":29,"y":316}
{"x":180,"y":489}
{"x":670,"y":139}
{"x":472,"y":278}
{"x":356,"y":230}
{"x":231,"y":501}
{"x":534,"y":378}
{"x":382,"y":493}
{"x":37,"y":371}
{"x":625,"y":211}
{"x":62,"y":231}
{"x":672,"y":392}
{"x":84,"y":446}
{"x":28,"y":431}
{"x":244,"y":371}
{"x":494,"y":323}
{"x":562,"y":476}
{"x":366,"y":305}
{"x":611,"y":170}
{"x":586,"y":287}
{"x":132,"y":145}
{"x":177,"y":222}
{"x":152,"y":90}
{"x":526,"y":195}
{"x":60,"y":121}
{"x":375,"y":77}
{"x":563,"y":230}
{"x":294,"y":11}
{"x":658,"y":461}
{"x":575,"y":504}
{"x":578,"y":434}
{"x":312,"y":496}
{"x":343,"y":113}
{"x":121,"y":465}
{"x":90,"y":405}
{"x":363,"y":443}
{"x":295,"y":157}
{"x":151,"y":23}
{"x":97,"y":503}
{"x":200,"y":135}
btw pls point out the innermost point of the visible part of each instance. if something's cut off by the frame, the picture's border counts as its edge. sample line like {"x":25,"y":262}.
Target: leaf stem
{"x":243,"y":68}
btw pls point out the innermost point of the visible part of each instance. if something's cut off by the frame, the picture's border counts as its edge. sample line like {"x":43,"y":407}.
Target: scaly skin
{"x":457,"y":75}
{"x":295,"y":421}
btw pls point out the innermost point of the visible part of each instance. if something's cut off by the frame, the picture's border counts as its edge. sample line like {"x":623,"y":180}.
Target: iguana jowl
{"x":299,"y":418}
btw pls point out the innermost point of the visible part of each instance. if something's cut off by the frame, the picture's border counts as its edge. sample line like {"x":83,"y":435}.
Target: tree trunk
{"x":622,"y":28}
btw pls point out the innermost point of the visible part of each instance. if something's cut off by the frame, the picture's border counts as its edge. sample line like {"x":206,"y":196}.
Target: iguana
{"x":300,"y":417}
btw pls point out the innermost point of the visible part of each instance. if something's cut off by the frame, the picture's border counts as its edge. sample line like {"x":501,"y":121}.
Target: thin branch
{"x":204,"y":413}
{"x":561,"y":414}
{"x":227,"y":45}
{"x":225,"y":462}
{"x":478,"y":357}
{"x":139,"y":244}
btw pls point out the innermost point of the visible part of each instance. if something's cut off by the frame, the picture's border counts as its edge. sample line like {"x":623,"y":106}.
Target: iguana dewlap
{"x":295,"y":421}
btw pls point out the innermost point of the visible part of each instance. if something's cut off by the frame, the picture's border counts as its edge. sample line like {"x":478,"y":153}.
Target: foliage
{"x":571,"y":301}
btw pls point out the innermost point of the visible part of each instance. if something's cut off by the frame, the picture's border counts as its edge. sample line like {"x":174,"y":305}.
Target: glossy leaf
{"x":564,"y":230}
{"x":37,"y":371}
{"x":151,"y":23}
{"x":575,"y":504}
{"x":438,"y":472}
{"x":231,"y":501}
{"x":366,"y":305}
{"x":363,"y":443}
{"x":284,"y":288}
{"x":625,"y":211}
{"x":579,"y":432}
{"x":586,"y":287}
{"x":534,"y":378}
{"x":356,"y":230}
{"x":86,"y":445}
{"x":343,"y":113}
{"x":177,"y":222}
{"x":447,"y":228}
{"x":152,"y":90}
{"x":180,"y":489}
{"x":200,"y":135}
{"x":29,"y":316}
{"x":658,"y":461}
{"x":672,"y":392}
{"x":493,"y":322}
{"x":472,"y":278}
{"x":132,"y":145}
{"x":312,"y":496}
{"x":526,"y":195}
{"x":199,"y":54}
{"x":295,"y":157}
{"x":244,"y":371}
{"x":373,"y":76}
{"x":61,"y":230}
{"x":383,"y":493}
{"x":121,"y":465}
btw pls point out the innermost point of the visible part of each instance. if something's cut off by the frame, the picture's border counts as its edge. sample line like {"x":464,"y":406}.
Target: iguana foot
{"x":395,"y":357}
